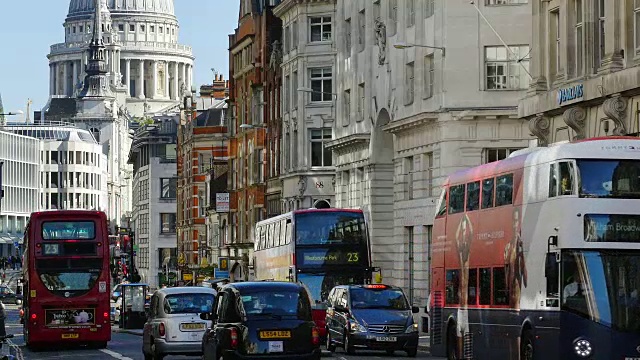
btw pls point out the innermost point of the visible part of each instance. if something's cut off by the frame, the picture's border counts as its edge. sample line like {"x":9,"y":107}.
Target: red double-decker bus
{"x":66,"y":279}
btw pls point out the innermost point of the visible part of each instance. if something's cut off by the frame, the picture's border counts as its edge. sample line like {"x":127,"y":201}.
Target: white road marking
{"x":115,"y":355}
{"x":16,"y":349}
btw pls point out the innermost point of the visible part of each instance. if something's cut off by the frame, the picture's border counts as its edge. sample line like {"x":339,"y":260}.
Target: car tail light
{"x":234,"y":338}
{"x":161,"y":329}
{"x":106,"y":315}
{"x":315,"y":336}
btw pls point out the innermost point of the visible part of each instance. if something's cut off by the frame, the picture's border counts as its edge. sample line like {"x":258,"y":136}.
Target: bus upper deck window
{"x":566,"y":172}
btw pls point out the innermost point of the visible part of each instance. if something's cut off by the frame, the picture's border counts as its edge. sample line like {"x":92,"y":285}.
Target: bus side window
{"x":452,"y":287}
{"x":456,"y":199}
{"x":500,"y":292}
{"x":485,"y":286}
{"x":283,"y":232}
{"x":263,"y":237}
{"x":473,"y":196}
{"x":276,"y":234}
{"x":270,"y":235}
{"x":442,"y":209}
{"x":472,"y":287}
{"x":288,"y":233}
{"x":487,"y":193}
{"x":566,"y":178}
{"x":504,"y":190}
{"x":553,"y":181}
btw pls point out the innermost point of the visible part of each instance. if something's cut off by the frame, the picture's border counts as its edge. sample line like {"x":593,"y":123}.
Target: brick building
{"x":255,"y":82}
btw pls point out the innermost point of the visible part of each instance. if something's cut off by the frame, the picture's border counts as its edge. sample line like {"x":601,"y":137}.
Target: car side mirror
{"x":208,"y":316}
{"x":341,"y":308}
{"x":415,"y":309}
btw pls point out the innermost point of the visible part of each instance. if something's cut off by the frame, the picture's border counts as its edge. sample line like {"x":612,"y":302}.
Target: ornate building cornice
{"x":616,"y":108}
{"x":349,"y":141}
{"x":410,"y":123}
{"x":575,"y":117}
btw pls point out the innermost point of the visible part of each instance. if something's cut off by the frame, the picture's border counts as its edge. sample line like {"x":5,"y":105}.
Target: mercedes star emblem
{"x":386,"y":329}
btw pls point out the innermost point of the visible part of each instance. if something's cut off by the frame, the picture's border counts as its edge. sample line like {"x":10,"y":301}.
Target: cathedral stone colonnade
{"x":65,"y":76}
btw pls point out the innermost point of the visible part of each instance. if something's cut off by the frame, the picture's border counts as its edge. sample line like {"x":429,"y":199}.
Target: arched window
{"x":96,"y":134}
{"x":322,"y":204}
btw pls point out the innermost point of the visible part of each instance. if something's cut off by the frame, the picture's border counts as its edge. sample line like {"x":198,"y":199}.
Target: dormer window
{"x":132,"y":27}
{"x":152,"y":29}
{"x":142,"y":28}
{"x":161,"y":29}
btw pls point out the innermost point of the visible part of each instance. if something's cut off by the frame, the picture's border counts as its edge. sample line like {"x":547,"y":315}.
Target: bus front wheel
{"x":526,"y":345}
{"x":452,"y":342}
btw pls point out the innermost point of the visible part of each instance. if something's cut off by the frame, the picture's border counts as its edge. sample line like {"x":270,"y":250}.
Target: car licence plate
{"x":386,"y":339}
{"x":192,"y":326}
{"x":275,"y":334}
{"x":276,"y":346}
{"x":70,"y":336}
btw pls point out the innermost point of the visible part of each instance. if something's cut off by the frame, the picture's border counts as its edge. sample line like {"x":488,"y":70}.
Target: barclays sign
{"x":570,"y":94}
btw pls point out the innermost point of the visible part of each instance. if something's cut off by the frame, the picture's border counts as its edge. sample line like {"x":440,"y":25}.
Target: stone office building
{"x":584,"y":62}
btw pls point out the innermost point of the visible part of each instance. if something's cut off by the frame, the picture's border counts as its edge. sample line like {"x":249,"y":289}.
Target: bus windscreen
{"x":68,"y":230}
{"x":330,"y":228}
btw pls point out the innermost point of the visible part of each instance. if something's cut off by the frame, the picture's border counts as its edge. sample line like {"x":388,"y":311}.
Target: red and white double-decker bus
{"x":66,"y":279}
{"x":320,"y":248}
{"x":538,"y":256}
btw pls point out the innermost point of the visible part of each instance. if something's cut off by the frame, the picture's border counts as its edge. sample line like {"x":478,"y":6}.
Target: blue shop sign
{"x":570,"y":94}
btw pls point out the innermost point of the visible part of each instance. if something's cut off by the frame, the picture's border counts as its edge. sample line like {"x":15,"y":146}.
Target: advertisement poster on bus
{"x":69,"y":317}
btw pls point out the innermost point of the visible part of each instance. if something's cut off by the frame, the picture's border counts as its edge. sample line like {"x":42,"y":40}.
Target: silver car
{"x":173,"y":324}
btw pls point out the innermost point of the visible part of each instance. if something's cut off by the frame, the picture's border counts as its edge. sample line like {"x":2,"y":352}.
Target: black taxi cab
{"x":261,"y":320}
{"x":374,"y":317}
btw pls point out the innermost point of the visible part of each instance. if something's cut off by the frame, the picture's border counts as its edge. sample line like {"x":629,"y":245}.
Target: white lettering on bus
{"x":491,"y":235}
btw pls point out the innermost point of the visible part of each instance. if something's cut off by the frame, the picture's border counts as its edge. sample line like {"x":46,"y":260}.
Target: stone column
{"x":613,"y":37}
{"x":127,"y":68}
{"x":65,"y":78}
{"x":52,"y":79}
{"x":154,"y":69}
{"x":189,"y":74}
{"x":140,"y":85}
{"x":166,"y":80}
{"x":84,"y":63}
{"x":176,"y":84}
{"x":538,"y":64}
{"x":184,"y":74}
{"x":74,"y":80}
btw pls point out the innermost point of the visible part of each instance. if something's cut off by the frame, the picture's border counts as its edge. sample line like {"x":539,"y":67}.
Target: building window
{"x":347,"y":37}
{"x":427,"y":160}
{"x":505,"y":70}
{"x":411,"y":13}
{"x":142,"y":28}
{"x":320,"y":28}
{"x":428,"y":8}
{"x":409,"y":77}
{"x":152,"y":28}
{"x":601,"y":30}
{"x":409,"y":174}
{"x":168,"y":223}
{"x":168,"y":188}
{"x":429,"y":73}
{"x":287,"y":91}
{"x":409,"y":267}
{"x":347,"y":106}
{"x":496,"y":154}
{"x":294,"y":87}
{"x":287,"y":39}
{"x":132,"y":27}
{"x":160,"y":29}
{"x":556,"y":41}
{"x":579,"y":38}
{"x":361,"y":30}
{"x":393,"y":16}
{"x":361,"y":102}
{"x":120,"y":27}
{"x":320,"y":155}
{"x":321,"y":84}
{"x":506,"y":2}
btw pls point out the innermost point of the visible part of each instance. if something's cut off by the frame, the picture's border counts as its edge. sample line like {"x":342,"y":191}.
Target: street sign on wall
{"x":222,"y":202}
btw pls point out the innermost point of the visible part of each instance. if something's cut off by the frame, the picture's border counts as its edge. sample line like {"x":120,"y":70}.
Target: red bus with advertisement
{"x":66,"y":279}
{"x":319,"y":248}
{"x":538,"y":256}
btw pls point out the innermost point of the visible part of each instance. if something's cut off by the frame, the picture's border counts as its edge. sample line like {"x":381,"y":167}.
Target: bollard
{"x":3,"y":316}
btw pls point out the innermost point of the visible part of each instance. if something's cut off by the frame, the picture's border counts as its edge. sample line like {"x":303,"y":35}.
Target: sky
{"x":29,"y":27}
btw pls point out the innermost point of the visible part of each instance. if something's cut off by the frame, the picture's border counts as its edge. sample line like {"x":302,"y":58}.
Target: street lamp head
{"x":402,"y":46}
{"x":19,"y":112}
{"x":305,"y":89}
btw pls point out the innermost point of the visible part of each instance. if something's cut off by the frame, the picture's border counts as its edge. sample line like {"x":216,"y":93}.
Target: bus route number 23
{"x":353,"y":257}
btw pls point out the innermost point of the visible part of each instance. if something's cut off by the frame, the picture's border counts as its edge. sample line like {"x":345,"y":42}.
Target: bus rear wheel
{"x":452,"y":343}
{"x":99,"y":345}
{"x":526,"y":345}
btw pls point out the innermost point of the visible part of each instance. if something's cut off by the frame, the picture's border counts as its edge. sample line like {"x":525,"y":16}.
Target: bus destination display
{"x":612,"y":228}
{"x":319,"y":257}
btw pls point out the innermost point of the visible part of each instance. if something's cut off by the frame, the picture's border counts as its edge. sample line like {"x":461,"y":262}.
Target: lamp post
{"x":407,"y":46}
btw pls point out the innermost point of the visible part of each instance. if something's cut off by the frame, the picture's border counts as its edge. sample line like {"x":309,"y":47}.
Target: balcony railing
{"x":128,"y":45}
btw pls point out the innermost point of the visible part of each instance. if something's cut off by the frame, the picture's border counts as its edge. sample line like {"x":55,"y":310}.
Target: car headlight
{"x":412,"y":328}
{"x":355,"y":326}
{"x":583,"y":348}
